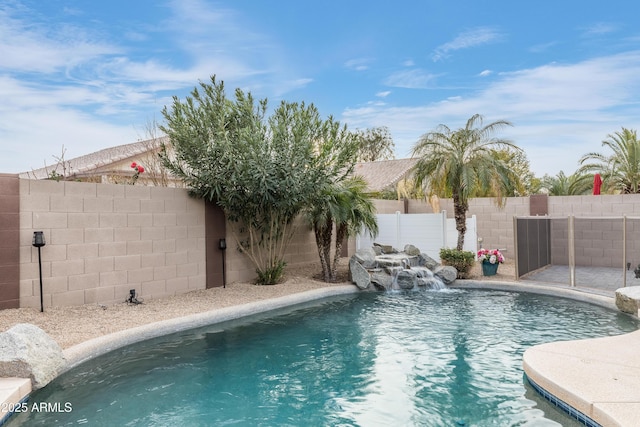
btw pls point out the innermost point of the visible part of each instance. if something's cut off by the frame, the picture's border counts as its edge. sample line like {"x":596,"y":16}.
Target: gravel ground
{"x":69,"y":326}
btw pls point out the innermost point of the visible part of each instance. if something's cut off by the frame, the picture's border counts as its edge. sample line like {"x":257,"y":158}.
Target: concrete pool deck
{"x":599,"y":377}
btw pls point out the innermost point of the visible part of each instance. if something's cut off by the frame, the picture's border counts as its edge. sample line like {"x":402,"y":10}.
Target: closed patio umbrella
{"x":597,"y":183}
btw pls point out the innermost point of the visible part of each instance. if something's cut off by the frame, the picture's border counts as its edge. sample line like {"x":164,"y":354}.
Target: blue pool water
{"x":394,"y":359}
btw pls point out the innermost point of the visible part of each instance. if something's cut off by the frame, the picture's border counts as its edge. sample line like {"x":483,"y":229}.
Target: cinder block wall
{"x":301,"y":250}
{"x":104,"y":239}
{"x":598,"y":242}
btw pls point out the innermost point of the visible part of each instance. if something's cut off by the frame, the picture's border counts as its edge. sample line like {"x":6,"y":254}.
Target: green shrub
{"x":271,"y":275}
{"x":460,"y":260}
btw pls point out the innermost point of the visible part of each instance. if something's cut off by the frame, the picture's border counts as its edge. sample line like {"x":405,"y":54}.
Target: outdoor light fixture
{"x":38,"y":242}
{"x":222,"y":245}
{"x":38,"y":239}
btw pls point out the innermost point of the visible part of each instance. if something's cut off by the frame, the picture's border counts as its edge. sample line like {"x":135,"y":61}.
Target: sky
{"x":77,"y":76}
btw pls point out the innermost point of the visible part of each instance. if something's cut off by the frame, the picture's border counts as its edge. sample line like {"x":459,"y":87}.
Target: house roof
{"x":379,"y":175}
{"x":100,"y":161}
{"x":384,"y":173}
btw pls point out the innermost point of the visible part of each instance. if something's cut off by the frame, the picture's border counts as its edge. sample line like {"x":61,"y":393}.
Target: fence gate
{"x":533,"y":243}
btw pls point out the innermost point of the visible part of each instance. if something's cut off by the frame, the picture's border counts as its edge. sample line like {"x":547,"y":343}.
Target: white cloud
{"x":410,"y":79}
{"x":600,"y":28}
{"x":41,"y":47}
{"x":560,"y":111}
{"x":85,"y":88}
{"x":485,"y":73}
{"x":358,"y":64}
{"x":468,"y":39}
{"x":383,"y":94}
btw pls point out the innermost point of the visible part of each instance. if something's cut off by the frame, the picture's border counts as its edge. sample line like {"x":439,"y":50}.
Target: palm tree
{"x":460,"y":163}
{"x":621,"y":170}
{"x":346,"y":206}
{"x":562,"y":185}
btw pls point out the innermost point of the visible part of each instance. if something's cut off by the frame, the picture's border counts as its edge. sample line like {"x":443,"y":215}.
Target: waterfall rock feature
{"x":388,"y":269}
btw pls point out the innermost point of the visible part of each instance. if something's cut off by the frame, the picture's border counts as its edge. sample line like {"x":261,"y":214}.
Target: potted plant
{"x":490,"y":259}
{"x":462,"y":261}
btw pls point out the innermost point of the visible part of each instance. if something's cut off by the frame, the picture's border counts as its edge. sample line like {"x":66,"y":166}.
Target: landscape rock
{"x":386,"y":249}
{"x":627,"y":299}
{"x":446,"y":273}
{"x":411,"y":250}
{"x":26,"y":351}
{"x":359,"y":275}
{"x":406,"y":279}
{"x":366,"y":257}
{"x":426,"y":261}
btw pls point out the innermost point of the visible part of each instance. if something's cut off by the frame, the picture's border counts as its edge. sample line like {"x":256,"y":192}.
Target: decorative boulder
{"x":411,"y":250}
{"x":26,"y":351}
{"x":381,"y":279}
{"x":366,"y":257}
{"x":386,"y":249}
{"x":446,"y":273}
{"x":426,"y":261}
{"x":627,"y":299}
{"x":359,"y":275}
{"x":407,"y":279}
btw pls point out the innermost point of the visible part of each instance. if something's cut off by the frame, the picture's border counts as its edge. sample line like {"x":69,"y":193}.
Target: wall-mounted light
{"x":39,"y":241}
{"x":222,"y":245}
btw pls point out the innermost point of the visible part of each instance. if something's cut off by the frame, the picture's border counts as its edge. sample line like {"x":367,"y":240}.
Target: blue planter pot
{"x":489,"y":269}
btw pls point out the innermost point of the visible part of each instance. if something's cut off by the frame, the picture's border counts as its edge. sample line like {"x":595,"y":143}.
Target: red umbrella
{"x":597,"y":183}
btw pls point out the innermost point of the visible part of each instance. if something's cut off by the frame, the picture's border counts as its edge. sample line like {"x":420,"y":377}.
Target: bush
{"x":271,"y":275}
{"x":462,"y":261}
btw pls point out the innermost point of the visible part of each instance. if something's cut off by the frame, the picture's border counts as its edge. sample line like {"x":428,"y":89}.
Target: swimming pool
{"x":414,"y":358}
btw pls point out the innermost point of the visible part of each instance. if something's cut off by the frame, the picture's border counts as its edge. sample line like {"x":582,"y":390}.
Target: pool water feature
{"x":374,"y":359}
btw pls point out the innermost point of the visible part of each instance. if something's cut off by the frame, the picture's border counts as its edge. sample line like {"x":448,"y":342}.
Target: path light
{"x":222,"y":245}
{"x":38,"y":242}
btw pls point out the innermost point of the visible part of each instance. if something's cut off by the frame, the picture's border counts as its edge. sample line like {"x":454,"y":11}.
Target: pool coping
{"x":539,"y":362}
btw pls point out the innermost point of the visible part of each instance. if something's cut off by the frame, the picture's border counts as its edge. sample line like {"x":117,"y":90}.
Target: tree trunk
{"x":460,"y":208}
{"x":341,"y":233}
{"x":325,"y":249}
{"x":321,"y":244}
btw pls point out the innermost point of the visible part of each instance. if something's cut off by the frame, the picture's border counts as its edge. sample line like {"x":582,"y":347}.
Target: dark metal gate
{"x":532,"y":243}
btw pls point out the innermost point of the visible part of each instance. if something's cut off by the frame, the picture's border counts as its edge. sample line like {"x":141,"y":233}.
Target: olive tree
{"x":261,"y":170}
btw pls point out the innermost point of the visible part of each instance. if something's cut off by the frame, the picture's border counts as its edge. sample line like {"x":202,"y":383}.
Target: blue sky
{"x":89,"y":75}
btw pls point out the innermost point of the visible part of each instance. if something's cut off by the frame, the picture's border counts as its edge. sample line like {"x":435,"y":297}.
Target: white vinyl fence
{"x":427,"y":232}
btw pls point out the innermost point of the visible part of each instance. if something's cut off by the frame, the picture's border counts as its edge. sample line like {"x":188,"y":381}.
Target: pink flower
{"x":134,"y":165}
{"x":491,"y":255}
{"x":140,"y":169}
